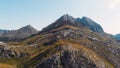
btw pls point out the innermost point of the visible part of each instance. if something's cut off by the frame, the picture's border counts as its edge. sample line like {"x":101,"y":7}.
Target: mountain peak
{"x":66,"y":18}
{"x":76,"y":22}
{"x":28,"y":28}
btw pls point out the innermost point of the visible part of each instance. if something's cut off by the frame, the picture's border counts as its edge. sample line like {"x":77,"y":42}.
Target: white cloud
{"x":113,"y":3}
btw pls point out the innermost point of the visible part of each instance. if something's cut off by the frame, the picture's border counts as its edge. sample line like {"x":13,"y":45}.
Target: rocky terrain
{"x":67,"y":43}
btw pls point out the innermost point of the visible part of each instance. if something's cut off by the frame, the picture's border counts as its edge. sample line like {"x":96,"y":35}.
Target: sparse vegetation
{"x":77,"y":45}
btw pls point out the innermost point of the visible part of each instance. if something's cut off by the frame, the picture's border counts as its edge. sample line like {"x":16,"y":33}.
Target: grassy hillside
{"x":93,"y":48}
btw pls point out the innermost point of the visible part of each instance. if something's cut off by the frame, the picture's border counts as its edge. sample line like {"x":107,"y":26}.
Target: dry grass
{"x":7,"y":66}
{"x":97,"y":59}
{"x":66,"y":26}
{"x":46,"y":51}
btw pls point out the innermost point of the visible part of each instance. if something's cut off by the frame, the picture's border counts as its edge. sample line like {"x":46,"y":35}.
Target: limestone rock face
{"x":7,"y":52}
{"x":71,"y":57}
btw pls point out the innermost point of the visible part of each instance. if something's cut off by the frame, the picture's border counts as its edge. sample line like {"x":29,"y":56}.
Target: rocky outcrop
{"x":71,"y":57}
{"x":7,"y":52}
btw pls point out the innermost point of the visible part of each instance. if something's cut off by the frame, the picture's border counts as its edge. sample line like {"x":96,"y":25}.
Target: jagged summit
{"x":63,"y":20}
{"x":76,"y":22}
{"x":28,"y":28}
{"x":66,"y":18}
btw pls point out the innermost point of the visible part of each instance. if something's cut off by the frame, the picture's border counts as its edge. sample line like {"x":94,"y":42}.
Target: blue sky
{"x":39,"y":13}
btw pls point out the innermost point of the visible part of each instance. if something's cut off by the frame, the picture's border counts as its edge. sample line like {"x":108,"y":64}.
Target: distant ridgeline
{"x":17,"y":35}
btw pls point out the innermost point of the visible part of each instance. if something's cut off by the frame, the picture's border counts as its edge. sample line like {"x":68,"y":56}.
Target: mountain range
{"x":66,"y":43}
{"x":117,"y":37}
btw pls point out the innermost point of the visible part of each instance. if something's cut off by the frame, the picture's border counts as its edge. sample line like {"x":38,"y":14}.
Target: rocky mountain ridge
{"x":66,"y":43}
{"x":78,"y":22}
